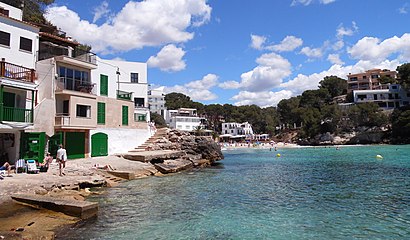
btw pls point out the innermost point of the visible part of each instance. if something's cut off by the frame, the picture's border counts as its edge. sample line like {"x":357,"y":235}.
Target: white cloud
{"x":138,"y":24}
{"x":301,"y":2}
{"x":312,"y":52}
{"x":198,"y":90}
{"x":335,"y":59}
{"x":308,"y":2}
{"x":338,"y":45}
{"x":270,"y":72}
{"x":101,"y":11}
{"x":404,"y":9}
{"x":326,"y":1}
{"x":343,"y":31}
{"x":289,"y":43}
{"x":262,"y":99}
{"x":169,"y":59}
{"x":257,"y":42}
{"x":373,"y":49}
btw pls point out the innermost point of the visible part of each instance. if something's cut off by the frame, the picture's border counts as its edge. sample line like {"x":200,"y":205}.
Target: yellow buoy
{"x":278,"y":155}
{"x":378,"y":156}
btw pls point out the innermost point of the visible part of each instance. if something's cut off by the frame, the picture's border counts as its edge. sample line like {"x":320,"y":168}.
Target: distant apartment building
{"x":156,"y":101}
{"x":18,"y":82}
{"x":389,"y":97}
{"x":368,"y":80}
{"x":184,"y":119}
{"x":235,"y":130}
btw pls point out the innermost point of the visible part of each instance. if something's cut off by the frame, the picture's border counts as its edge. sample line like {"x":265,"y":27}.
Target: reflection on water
{"x":308,"y":193}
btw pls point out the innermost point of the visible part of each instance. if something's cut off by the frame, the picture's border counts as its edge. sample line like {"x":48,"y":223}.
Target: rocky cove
{"x":168,"y":151}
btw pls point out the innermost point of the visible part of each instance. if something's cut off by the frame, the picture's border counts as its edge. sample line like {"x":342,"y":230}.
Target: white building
{"x":393,"y":96}
{"x":126,"y":80}
{"x":18,"y":49}
{"x":156,"y":101}
{"x":237,"y":130}
{"x":185,"y":119}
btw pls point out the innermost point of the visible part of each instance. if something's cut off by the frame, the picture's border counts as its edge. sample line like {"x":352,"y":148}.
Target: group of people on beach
{"x":61,"y":159}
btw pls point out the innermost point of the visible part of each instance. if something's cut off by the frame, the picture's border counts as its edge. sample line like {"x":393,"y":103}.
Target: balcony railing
{"x":48,"y":51}
{"x":124,"y":95}
{"x":62,"y":120}
{"x":16,"y":114}
{"x":75,"y":85}
{"x":13,"y":71}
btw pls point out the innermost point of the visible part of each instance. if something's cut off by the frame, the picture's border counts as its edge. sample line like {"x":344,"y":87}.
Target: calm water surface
{"x":307,"y":193}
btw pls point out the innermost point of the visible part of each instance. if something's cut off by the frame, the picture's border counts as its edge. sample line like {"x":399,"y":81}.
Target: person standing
{"x":61,"y":159}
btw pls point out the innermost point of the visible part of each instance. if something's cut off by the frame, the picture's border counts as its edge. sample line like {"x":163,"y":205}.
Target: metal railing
{"x":48,"y":51}
{"x":16,"y":72}
{"x":16,"y":114}
{"x":72,"y":84}
{"x":124,"y":95}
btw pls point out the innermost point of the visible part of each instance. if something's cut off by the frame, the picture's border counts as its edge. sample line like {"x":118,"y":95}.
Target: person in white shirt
{"x":61,"y":159}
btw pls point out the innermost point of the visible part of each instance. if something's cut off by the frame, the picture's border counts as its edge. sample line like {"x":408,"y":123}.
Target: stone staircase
{"x":159,"y":134}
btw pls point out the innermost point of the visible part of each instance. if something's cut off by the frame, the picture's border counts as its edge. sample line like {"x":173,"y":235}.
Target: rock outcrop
{"x":196,"y":151}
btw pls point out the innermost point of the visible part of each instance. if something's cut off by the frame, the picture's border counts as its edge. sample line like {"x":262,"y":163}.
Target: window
{"x":364,"y":77}
{"x":103,"y":85}
{"x":83,"y":111}
{"x":26,"y":44}
{"x":125,"y":115}
{"x":353,"y":79}
{"x":101,"y":113}
{"x":4,"y":11}
{"x":393,"y":87}
{"x":4,"y":38}
{"x":134,"y":77}
{"x":139,"y":117}
{"x":139,"y":102}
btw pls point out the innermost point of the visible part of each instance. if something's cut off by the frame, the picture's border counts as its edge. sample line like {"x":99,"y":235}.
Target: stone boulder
{"x":172,"y":166}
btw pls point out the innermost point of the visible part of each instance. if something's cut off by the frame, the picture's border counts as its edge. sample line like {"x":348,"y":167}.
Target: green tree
{"x":33,"y":10}
{"x":177,"y":100}
{"x":386,"y":80}
{"x":367,"y":114}
{"x":287,"y":109}
{"x":158,"y":119}
{"x":315,"y":98}
{"x":401,"y":125}
{"x":311,"y":121}
{"x":335,"y":86}
{"x":404,"y":75}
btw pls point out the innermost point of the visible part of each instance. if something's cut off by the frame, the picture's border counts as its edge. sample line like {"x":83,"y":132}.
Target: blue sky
{"x":242,"y":51}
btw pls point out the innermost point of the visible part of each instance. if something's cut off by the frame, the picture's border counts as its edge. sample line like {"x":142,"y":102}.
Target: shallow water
{"x":307,"y":193}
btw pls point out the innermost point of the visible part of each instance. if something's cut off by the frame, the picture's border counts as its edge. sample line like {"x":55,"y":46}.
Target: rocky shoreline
{"x":21,"y":222}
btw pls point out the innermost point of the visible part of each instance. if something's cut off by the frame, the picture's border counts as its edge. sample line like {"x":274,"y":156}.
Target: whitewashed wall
{"x":123,"y":140}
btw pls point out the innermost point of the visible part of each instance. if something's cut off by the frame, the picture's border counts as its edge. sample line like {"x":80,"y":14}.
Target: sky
{"x":242,"y":52}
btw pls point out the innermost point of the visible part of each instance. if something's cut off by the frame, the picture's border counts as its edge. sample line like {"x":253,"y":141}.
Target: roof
{"x":66,"y":40}
{"x":19,"y":21}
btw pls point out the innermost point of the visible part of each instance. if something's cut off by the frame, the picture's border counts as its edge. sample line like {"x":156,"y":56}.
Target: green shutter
{"x":103,"y":85}
{"x":101,"y":113}
{"x":124,"y":115}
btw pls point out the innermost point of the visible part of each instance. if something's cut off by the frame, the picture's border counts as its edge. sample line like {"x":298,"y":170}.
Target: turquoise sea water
{"x":307,"y":193}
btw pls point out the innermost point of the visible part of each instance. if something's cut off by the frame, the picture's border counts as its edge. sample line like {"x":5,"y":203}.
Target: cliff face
{"x":198,"y":151}
{"x":359,"y":136}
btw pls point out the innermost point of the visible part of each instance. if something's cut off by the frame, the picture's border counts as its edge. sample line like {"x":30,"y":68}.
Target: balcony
{"x":16,"y":114}
{"x":12,"y":71}
{"x":124,"y":95}
{"x":75,"y":85}
{"x":62,"y":120}
{"x":50,"y":50}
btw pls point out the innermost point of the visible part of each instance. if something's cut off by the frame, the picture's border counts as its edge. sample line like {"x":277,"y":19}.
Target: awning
{"x":16,"y":125}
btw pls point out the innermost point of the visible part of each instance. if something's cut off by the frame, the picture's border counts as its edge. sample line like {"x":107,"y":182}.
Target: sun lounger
{"x":21,"y":166}
{"x":32,"y":167}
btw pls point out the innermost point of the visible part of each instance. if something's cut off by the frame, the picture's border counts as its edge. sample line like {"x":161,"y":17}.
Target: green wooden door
{"x":125,"y":115}
{"x":99,"y":144}
{"x":75,"y":144}
{"x":54,"y":142}
{"x":32,"y":146}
